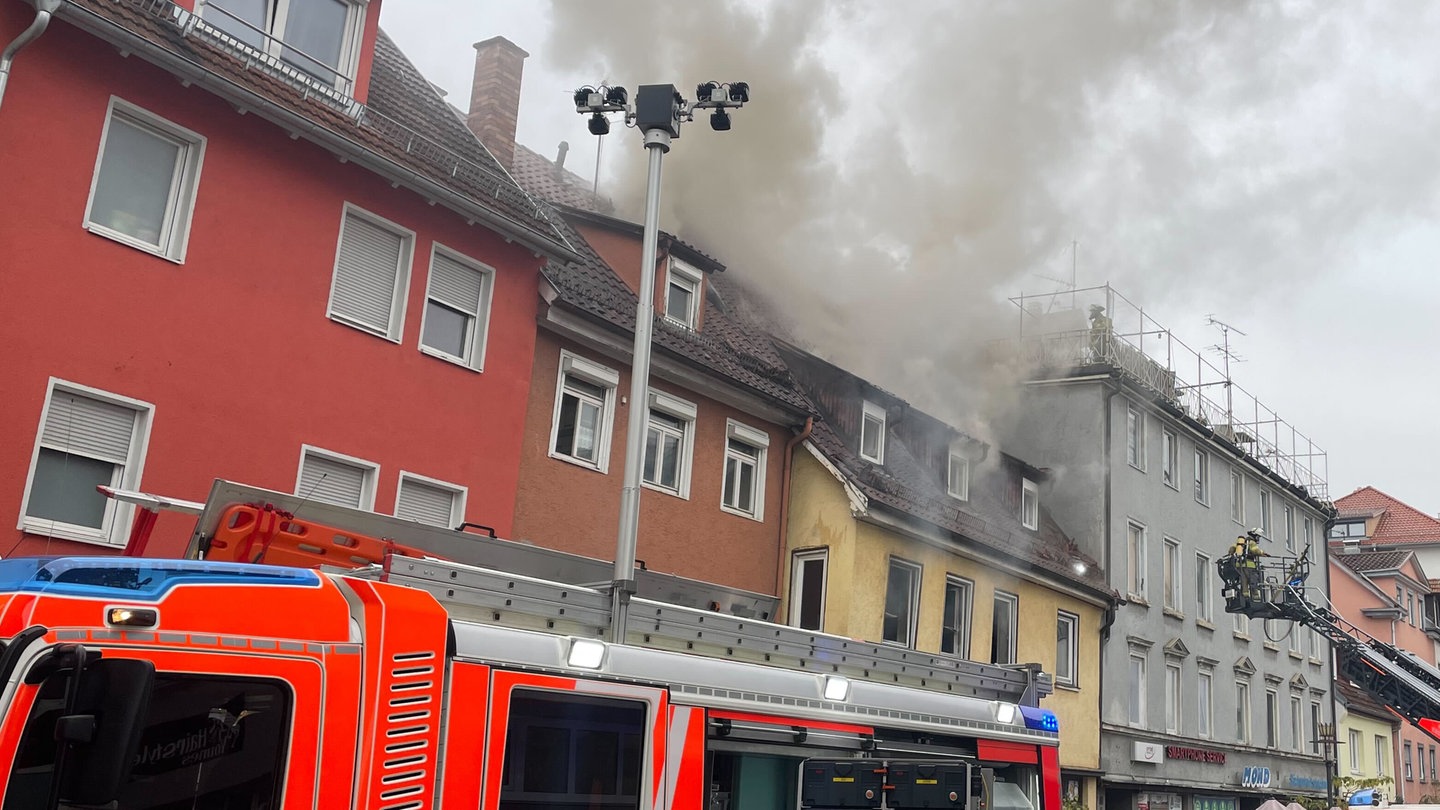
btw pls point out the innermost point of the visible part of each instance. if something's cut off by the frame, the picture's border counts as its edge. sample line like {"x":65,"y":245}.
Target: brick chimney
{"x":495,"y":96}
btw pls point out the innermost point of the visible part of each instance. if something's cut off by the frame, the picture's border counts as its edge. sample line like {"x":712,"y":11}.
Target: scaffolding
{"x":1084,"y":331}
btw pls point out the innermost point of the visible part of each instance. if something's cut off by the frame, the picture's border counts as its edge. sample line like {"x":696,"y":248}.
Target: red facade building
{"x":259,"y":249}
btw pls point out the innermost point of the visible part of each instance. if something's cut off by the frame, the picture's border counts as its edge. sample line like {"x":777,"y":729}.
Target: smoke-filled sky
{"x":904,"y":167}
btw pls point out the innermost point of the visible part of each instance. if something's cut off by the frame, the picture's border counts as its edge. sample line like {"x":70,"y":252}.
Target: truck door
{"x":570,"y":743}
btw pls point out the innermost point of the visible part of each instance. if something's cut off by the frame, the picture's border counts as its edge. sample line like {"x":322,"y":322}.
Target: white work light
{"x":836,"y":688}
{"x":586,"y":653}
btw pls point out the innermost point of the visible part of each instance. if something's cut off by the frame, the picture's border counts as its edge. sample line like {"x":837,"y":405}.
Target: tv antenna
{"x":1227,"y":354}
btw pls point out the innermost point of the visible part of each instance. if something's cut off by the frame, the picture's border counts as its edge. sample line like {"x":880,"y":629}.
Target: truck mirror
{"x":103,"y":729}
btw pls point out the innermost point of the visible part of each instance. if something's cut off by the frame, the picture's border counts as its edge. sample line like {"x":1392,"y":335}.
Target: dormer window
{"x":957,"y":479}
{"x":872,"y":433}
{"x":315,"y":37}
{"x":1029,"y":504}
{"x":1350,"y":531}
{"x":682,"y":294}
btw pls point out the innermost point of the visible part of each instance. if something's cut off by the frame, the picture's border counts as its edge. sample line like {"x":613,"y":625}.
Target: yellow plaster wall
{"x":859,"y":555}
{"x":1368,"y":728}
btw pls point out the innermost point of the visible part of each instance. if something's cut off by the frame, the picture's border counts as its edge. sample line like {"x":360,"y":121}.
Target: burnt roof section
{"x":728,"y":346}
{"x":550,"y":181}
{"x":430,"y":143}
{"x":912,"y":479}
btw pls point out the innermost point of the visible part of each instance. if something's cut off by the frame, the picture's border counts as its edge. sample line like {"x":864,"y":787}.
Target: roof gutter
{"x":315,"y":133}
{"x":44,"y":10}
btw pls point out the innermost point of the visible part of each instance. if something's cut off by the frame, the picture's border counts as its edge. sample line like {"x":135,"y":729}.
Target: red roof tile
{"x":1399,"y":521}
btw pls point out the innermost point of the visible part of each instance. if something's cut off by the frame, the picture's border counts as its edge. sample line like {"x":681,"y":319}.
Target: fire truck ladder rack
{"x":485,"y":579}
{"x":1397,"y":678}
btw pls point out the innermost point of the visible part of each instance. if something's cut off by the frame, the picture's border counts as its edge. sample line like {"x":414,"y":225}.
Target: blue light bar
{"x":1040,"y":719}
{"x":137,"y":579}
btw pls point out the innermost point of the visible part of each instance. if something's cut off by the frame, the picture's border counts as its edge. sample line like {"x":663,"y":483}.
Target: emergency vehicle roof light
{"x":586,"y":653}
{"x":1040,"y":719}
{"x":1004,"y":712}
{"x":132,"y":579}
{"x":837,"y":688}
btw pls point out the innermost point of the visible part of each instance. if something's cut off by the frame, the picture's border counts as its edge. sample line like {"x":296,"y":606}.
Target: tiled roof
{"x":1399,"y":523}
{"x":540,"y":176}
{"x":989,"y":518}
{"x":726,"y":345}
{"x":1358,"y":700}
{"x":1369,"y":562}
{"x":405,"y":124}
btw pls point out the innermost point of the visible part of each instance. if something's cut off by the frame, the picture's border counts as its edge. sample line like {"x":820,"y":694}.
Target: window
{"x":1289,"y":527}
{"x":807,"y":589}
{"x":243,"y":722}
{"x":1242,"y":711}
{"x":1309,"y":642}
{"x":1272,"y":718}
{"x":1314,"y":727}
{"x":1307,"y":531}
{"x":1241,"y":624}
{"x":669,"y":444}
{"x":1172,"y":574}
{"x":1137,"y":690}
{"x":1292,"y":639}
{"x":743,"y":491}
{"x":1067,"y":634}
{"x":1135,"y":560}
{"x":902,"y":592}
{"x":315,"y":37}
{"x":334,"y":478}
{"x":872,"y":433}
{"x":1297,"y":725}
{"x":682,"y":294}
{"x":1204,"y":697}
{"x":1380,"y":745}
{"x":1237,"y":496}
{"x":1410,"y":606}
{"x":1355,"y":750}
{"x":457,"y":309}
{"x":1409,"y":772}
{"x":1172,"y":697}
{"x":573,"y":750}
{"x":143,"y":191}
{"x":1265,"y":513}
{"x":1003,"y":628}
{"x":1202,"y":476}
{"x":1135,"y":437}
{"x":1350,"y":532}
{"x":87,"y":437}
{"x":372,"y":267}
{"x":1204,"y":606}
{"x":1029,"y":504}
{"x":426,"y":500}
{"x":584,"y":402}
{"x":1170,"y":459}
{"x":957,"y":478}
{"x":1432,"y":764}
{"x":955,"y":624}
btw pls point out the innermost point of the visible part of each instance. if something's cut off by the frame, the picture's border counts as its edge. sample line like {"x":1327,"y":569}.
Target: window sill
{"x":1137,"y":599}
{"x":1204,"y":625}
{"x":581,"y":463}
{"x":1274,"y":648}
{"x":1172,"y":486}
{"x":362,"y":327}
{"x":1067,"y":687}
{"x":1205,"y":502}
{"x":1240,"y":635}
{"x":132,"y":242}
{"x":44,"y":529}
{"x":1172,"y":613}
{"x":449,"y":358}
{"x":682,"y":494}
{"x":1136,"y":467}
{"x":1297,"y":656}
{"x":758,"y":516}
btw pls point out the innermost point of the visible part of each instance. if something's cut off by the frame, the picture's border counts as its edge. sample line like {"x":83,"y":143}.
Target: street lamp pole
{"x":658,"y":112}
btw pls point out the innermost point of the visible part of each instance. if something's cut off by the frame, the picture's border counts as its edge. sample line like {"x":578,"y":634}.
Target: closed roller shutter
{"x":367,"y":273}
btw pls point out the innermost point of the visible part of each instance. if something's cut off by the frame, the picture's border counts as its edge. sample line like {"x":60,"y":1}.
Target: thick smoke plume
{"x":904,"y":166}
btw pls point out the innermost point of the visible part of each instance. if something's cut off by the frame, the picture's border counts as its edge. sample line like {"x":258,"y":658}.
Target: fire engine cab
{"x":396,"y":666}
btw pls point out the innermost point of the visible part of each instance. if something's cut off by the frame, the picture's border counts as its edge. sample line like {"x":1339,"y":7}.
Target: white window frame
{"x":957,"y":475}
{"x":597,"y":375}
{"x":457,"y":502}
{"x":692,"y":280}
{"x":1289,"y":525}
{"x":1355,"y":752}
{"x":1205,"y":704}
{"x":760,"y":441}
{"x":1136,"y":674}
{"x":1265,"y":509}
{"x":1240,"y":624}
{"x":1272,"y":718}
{"x":1135,"y":559}
{"x":1174,"y":576}
{"x":1237,"y":496}
{"x":350,"y":44}
{"x":1204,"y":600}
{"x":114,"y":526}
{"x":479,"y":321}
{"x":174,"y":237}
{"x":1297,"y":723}
{"x":914,"y":602}
{"x":1029,"y":504}
{"x":798,"y":582}
{"x":396,"y":326}
{"x":873,"y":414}
{"x":686,"y":412}
{"x":1243,"y":720}
{"x":1011,"y":603}
{"x":963,"y":619}
{"x":1202,"y":477}
{"x":1170,"y":458}
{"x":1380,"y":745}
{"x":1135,"y":437}
{"x":1067,"y":661}
{"x":1172,"y":697}
{"x":370,"y":468}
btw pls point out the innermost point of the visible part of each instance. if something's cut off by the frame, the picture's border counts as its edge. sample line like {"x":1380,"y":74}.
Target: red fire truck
{"x":396,"y":666}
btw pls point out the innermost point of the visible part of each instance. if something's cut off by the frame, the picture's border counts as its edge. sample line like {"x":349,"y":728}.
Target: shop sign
{"x":1213,"y":803}
{"x":1255,"y":776}
{"x":1195,"y":754}
{"x":1295,"y":780}
{"x":1148,"y":752}
{"x":1158,"y":801}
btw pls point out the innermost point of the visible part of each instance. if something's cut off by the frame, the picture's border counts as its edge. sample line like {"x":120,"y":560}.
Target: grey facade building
{"x":1156,"y":475}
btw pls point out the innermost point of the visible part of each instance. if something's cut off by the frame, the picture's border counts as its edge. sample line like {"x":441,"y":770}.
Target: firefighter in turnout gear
{"x":1247,"y":553}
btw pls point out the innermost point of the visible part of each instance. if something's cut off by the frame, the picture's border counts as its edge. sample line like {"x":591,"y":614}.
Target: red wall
{"x":233,"y":347}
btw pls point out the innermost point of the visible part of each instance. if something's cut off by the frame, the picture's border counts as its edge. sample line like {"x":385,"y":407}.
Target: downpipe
{"x":44,"y":10}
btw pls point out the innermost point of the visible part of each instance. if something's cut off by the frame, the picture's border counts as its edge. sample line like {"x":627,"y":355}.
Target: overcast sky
{"x":905,"y":167}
